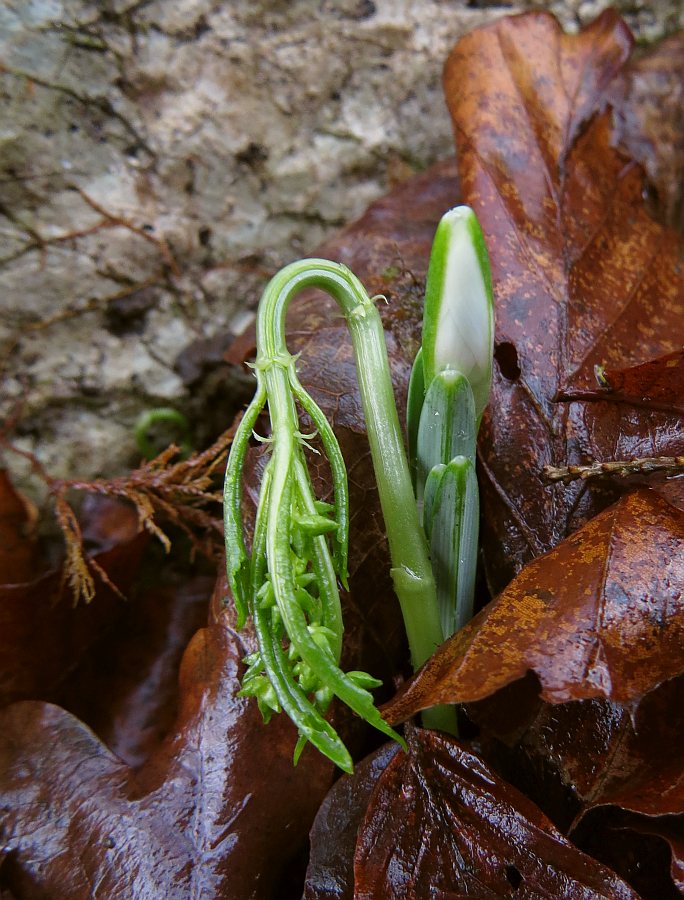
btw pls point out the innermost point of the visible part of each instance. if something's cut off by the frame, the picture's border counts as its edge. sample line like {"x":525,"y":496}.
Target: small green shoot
{"x":448,"y":393}
{"x":288,"y":583}
{"x":150,"y":420}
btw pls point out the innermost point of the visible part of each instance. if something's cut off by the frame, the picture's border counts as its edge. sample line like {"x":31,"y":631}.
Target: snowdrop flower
{"x":458,"y":325}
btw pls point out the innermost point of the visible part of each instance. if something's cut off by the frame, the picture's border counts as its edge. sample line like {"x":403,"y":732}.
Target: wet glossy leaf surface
{"x":574,"y":673}
{"x":654,"y":385}
{"x":648,"y":97}
{"x":602,"y":615}
{"x":333,"y":837}
{"x":43,"y":637}
{"x":198,"y":818}
{"x":582,"y":274}
{"x":599,"y":616}
{"x":638,"y":413}
{"x":19,"y":553}
{"x":438,"y":816}
{"x":126,"y":688}
{"x":576,"y":758}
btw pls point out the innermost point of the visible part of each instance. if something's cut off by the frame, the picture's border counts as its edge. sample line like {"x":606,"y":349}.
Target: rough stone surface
{"x":159,"y":160}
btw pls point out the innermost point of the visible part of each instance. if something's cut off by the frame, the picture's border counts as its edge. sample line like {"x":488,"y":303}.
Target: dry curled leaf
{"x":582,"y":274}
{"x":601,"y":615}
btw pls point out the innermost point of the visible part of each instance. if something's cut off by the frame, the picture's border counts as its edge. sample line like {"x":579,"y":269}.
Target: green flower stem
{"x":412,"y":572}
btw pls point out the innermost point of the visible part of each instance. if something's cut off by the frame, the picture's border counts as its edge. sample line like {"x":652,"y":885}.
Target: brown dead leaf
{"x":647,"y":852}
{"x":639,"y":413}
{"x":219,"y":796}
{"x":333,"y":837}
{"x":582,"y":274}
{"x":602,"y":752}
{"x":43,"y":637}
{"x":601,"y":615}
{"x":654,"y":385}
{"x":19,"y":557}
{"x":597,"y":769}
{"x":441,"y":823}
{"x":648,"y":98}
{"x":126,"y":687}
{"x":218,"y":799}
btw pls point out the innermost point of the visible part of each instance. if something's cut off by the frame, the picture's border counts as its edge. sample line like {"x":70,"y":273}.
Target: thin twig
{"x":180,"y":493}
{"x":665,"y":465}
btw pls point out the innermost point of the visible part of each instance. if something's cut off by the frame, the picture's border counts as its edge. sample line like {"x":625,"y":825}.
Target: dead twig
{"x":183,"y":494}
{"x":665,"y":465}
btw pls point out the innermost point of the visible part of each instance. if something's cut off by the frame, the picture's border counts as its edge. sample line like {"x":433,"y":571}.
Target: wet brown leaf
{"x":19,"y":556}
{"x":126,"y":687}
{"x":218,"y":798}
{"x":647,"y":852}
{"x":333,"y":837}
{"x":43,"y":637}
{"x":602,"y":615}
{"x":441,"y":823}
{"x":648,"y":98}
{"x":585,"y":763}
{"x":654,"y":385}
{"x":604,"y":753}
{"x":638,"y":414}
{"x":582,"y":274}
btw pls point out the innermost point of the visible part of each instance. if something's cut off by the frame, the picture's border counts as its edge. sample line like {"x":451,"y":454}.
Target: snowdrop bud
{"x":458,"y":324}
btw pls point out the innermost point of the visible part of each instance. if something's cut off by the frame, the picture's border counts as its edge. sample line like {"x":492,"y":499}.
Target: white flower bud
{"x":458,"y":323}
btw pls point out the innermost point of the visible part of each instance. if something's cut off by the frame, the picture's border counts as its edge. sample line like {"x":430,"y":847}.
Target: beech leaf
{"x":582,"y":274}
{"x":18,"y":551}
{"x":218,"y":797}
{"x":635,"y":412}
{"x":602,"y":772}
{"x":441,"y":823}
{"x":654,"y":385}
{"x":601,"y":615}
{"x":43,"y":637}
{"x":333,"y":836}
{"x":648,"y":97}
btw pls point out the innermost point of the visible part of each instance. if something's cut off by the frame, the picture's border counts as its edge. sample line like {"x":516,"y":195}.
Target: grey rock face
{"x":159,"y":160}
